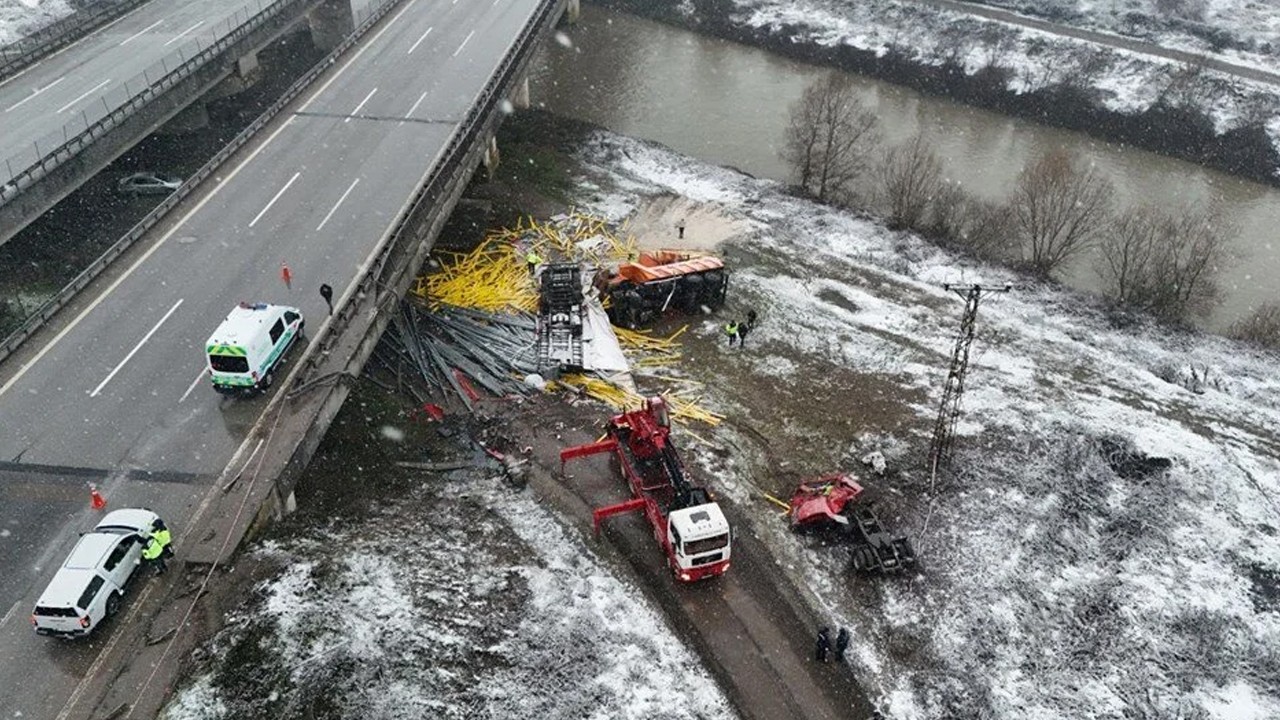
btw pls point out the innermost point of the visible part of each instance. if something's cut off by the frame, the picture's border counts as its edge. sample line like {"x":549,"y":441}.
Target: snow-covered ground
{"x":1108,"y":542}
{"x":21,"y":17}
{"x":1129,"y":82}
{"x":465,"y":599}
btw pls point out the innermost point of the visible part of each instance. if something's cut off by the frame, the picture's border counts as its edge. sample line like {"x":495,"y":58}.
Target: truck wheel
{"x":268,"y":379}
{"x":863,"y":560}
{"x":113,"y":604}
{"x":691,"y":292}
{"x":711,"y":284}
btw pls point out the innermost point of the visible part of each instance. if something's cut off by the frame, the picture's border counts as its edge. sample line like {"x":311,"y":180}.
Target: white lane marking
{"x":137,"y":605}
{"x":334,"y":209}
{"x":264,"y":210}
{"x":89,"y":92}
{"x":363,"y":46}
{"x":142,"y":32}
{"x":362,"y":102}
{"x":9,"y":614}
{"x":424,"y":37}
{"x":182,"y":34}
{"x":421,"y":97}
{"x":136,"y":348}
{"x":464,"y":43}
{"x":20,"y":73}
{"x":193,"y":384}
{"x":138,"y":263}
{"x":34,"y":94}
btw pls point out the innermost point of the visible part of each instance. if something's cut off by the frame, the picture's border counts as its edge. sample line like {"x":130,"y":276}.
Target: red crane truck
{"x":688,"y":525}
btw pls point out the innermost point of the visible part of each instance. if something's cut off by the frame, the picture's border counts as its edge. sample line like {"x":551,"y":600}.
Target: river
{"x":728,"y":104}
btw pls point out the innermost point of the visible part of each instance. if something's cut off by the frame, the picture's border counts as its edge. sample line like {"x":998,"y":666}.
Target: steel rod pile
{"x":453,"y":347}
{"x":480,"y":327}
{"x":684,"y":408}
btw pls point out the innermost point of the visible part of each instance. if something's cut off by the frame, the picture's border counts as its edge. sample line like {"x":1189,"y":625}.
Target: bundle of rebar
{"x":451,"y":347}
{"x":481,"y":326}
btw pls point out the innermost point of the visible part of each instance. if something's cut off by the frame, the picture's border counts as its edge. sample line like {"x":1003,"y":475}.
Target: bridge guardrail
{"x":58,"y":34}
{"x":365,"y":18}
{"x":108,"y":110}
{"x":460,"y":143}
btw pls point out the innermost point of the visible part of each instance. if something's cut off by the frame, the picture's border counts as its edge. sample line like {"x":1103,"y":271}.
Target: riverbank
{"x":1119,"y":97}
{"x":1104,"y":507}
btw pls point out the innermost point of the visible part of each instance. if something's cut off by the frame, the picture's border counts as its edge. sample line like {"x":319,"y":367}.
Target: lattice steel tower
{"x":949,"y":410}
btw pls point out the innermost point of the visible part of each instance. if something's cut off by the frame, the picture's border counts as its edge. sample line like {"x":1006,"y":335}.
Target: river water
{"x":728,"y":104}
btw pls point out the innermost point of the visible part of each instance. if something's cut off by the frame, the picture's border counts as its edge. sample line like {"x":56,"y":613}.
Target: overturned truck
{"x":660,"y":281}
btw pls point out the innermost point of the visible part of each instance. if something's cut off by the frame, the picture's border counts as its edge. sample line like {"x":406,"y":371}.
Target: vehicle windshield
{"x":229,"y":363}
{"x":715,"y":542}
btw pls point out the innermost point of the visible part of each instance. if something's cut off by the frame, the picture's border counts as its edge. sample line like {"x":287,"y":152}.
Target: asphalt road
{"x":84,"y":81}
{"x":1248,"y":72}
{"x":119,"y":396}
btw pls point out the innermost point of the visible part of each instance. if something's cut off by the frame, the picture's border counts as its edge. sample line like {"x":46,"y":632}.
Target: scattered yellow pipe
{"x":777,"y":502}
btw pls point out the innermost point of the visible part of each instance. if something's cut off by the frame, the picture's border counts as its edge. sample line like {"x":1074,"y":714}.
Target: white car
{"x":147,"y":183}
{"x":87,"y":588}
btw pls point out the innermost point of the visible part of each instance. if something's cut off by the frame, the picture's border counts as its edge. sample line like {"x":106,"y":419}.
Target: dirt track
{"x":745,"y":625}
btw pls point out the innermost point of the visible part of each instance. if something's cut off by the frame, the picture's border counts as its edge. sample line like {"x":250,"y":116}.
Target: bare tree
{"x":989,"y":230}
{"x":1164,"y":263}
{"x":1261,"y":327}
{"x":827,"y":138}
{"x":998,"y":40}
{"x":909,"y":178}
{"x":947,"y":211}
{"x":1059,"y":206}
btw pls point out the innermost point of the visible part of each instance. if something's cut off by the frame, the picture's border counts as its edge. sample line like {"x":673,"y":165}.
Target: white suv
{"x":88,"y":587}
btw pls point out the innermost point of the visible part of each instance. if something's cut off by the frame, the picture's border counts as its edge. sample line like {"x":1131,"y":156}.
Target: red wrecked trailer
{"x":835,"y":501}
{"x":688,"y":525}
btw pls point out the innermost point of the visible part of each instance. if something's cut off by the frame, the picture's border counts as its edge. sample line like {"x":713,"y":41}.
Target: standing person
{"x":153,"y":554}
{"x":533,"y":260}
{"x":743,"y":331}
{"x":823,"y":645}
{"x":160,"y":532}
{"x":731,"y":329}
{"x":751,"y":318}
{"x":842,"y":644}
{"x":680,"y":228}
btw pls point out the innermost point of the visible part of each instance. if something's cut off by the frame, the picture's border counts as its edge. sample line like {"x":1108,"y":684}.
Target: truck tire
{"x":864,"y":560}
{"x":690,"y":293}
{"x":113,"y":605}
{"x":712,"y":295}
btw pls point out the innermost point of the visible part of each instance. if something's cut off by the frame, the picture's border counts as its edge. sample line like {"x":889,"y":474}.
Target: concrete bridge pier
{"x":520,"y":95}
{"x":491,"y":156}
{"x":331,"y":22}
{"x":573,"y":10}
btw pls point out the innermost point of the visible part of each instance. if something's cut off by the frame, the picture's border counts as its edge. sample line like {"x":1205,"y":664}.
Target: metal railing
{"x":110,"y":109}
{"x":365,"y":18}
{"x":452,"y":160}
{"x":41,"y":42}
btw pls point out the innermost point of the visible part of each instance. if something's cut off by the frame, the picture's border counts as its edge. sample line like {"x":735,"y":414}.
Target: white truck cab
{"x":243,"y":353}
{"x":88,"y":587}
{"x":699,"y":538}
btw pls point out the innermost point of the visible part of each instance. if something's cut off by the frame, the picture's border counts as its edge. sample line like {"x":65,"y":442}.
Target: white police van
{"x":243,"y":353}
{"x":87,"y":588}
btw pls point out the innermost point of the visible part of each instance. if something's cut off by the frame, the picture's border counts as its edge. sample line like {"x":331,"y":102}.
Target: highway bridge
{"x":69,"y":114}
{"x":347,"y":181}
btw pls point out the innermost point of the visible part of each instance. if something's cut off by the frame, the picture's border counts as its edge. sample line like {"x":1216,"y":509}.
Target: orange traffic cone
{"x":96,"y":501}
